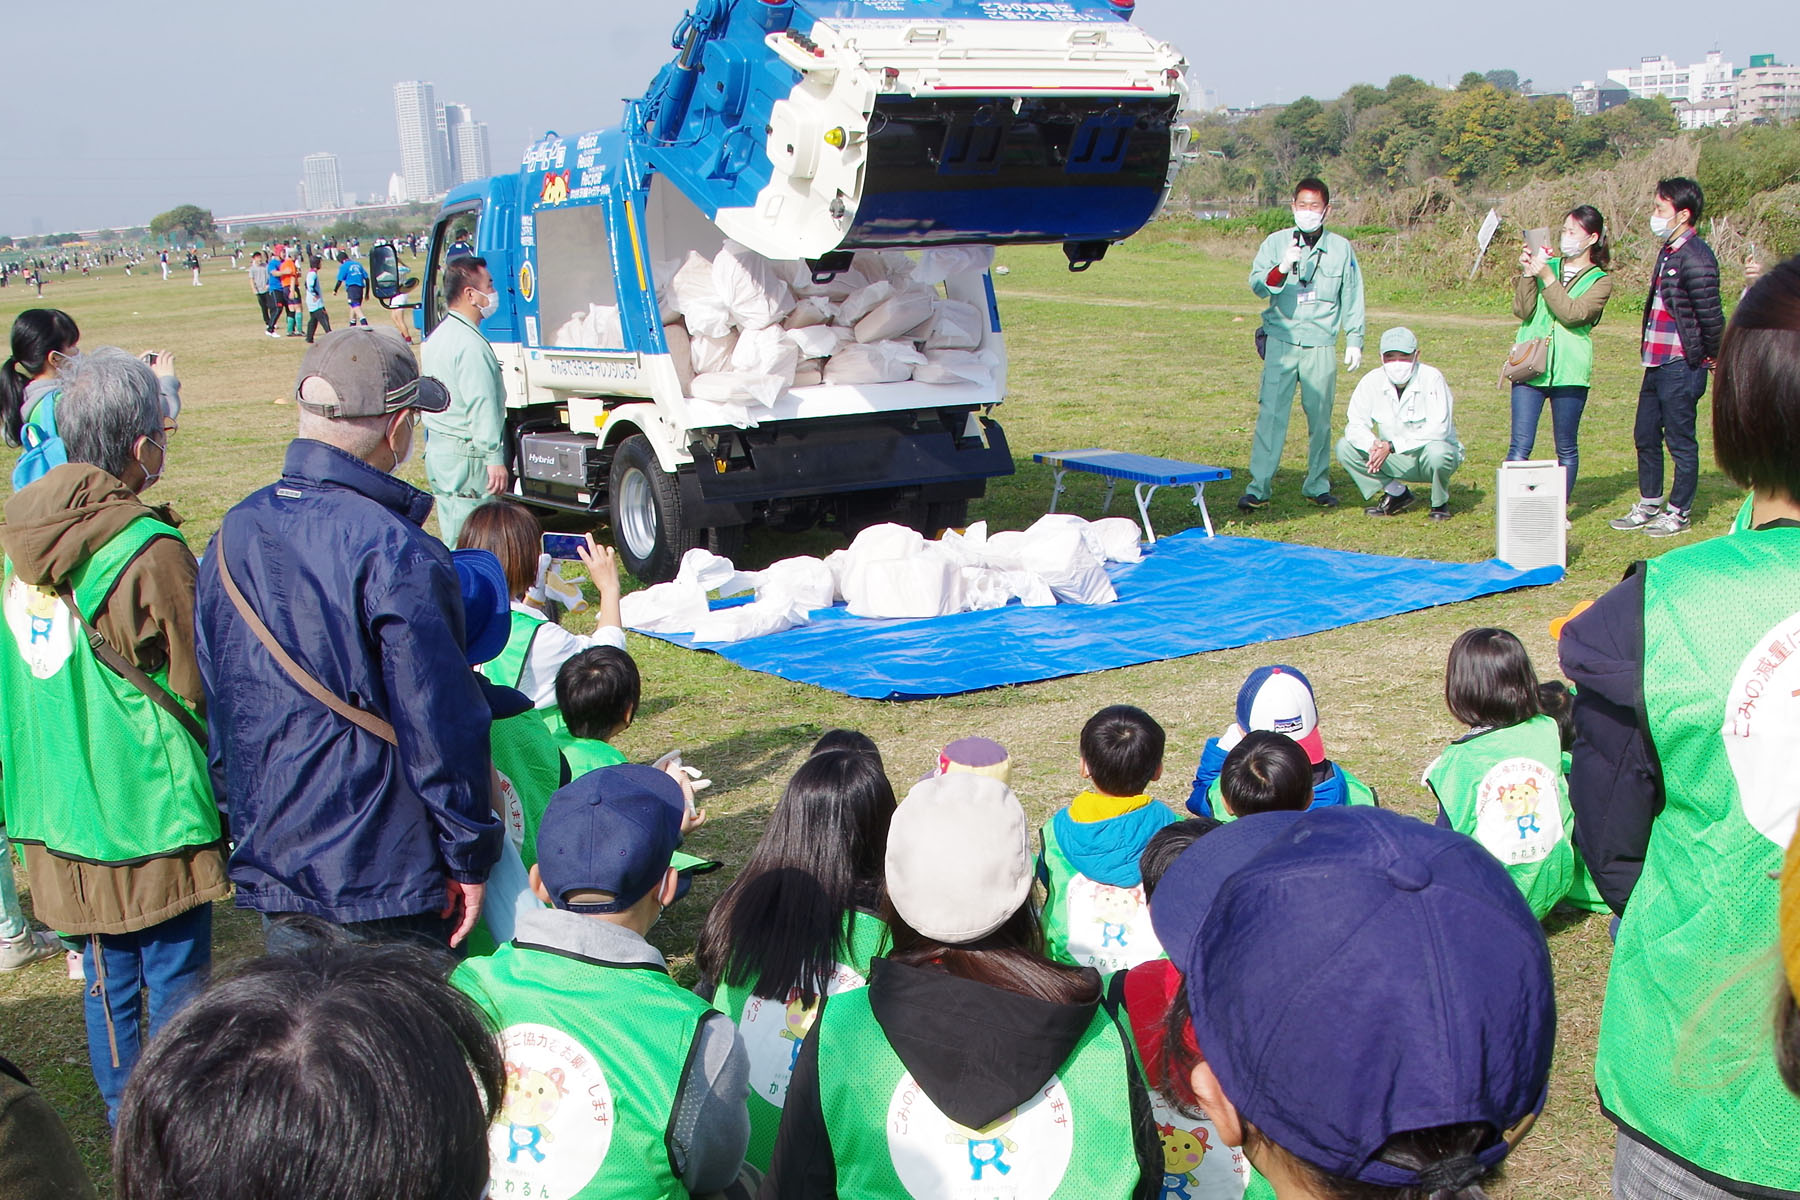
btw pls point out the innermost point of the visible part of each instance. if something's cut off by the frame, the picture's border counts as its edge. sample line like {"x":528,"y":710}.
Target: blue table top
{"x":1142,"y":468}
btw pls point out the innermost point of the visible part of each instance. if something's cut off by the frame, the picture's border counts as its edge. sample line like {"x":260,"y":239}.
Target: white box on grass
{"x":1530,"y":527}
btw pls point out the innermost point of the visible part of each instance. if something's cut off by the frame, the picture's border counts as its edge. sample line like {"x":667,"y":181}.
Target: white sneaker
{"x":1672,"y":522}
{"x":1641,"y":514}
{"x":34,"y":945}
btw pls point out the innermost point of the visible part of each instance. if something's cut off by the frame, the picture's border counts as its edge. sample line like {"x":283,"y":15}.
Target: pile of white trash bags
{"x":891,"y":571}
{"x":743,"y":329}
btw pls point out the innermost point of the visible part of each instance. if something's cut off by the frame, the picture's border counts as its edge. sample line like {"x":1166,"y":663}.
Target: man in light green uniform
{"x":465,"y":445}
{"x":1314,"y":288}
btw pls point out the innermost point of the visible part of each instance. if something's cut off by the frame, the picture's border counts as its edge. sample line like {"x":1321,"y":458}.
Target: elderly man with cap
{"x":1401,"y":429}
{"x":350,"y":740}
{"x":620,"y":1081}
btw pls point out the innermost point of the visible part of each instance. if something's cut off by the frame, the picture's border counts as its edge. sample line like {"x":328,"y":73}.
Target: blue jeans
{"x":1566,"y":404}
{"x":168,"y":963}
{"x":1666,"y":412}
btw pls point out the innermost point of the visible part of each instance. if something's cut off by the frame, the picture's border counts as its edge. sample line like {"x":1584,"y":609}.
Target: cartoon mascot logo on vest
{"x":1761,"y":731}
{"x":1022,"y":1153}
{"x":39,"y":622}
{"x":1518,"y":811}
{"x":775,"y":1031}
{"x":556,"y":1119}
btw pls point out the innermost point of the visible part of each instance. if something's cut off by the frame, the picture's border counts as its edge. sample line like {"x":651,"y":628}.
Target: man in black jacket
{"x":1683,"y":321}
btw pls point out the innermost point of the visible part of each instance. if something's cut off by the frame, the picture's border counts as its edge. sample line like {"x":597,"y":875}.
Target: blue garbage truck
{"x":856,"y":161}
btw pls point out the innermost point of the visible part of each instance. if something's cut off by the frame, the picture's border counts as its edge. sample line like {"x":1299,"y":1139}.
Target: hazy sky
{"x":118,"y":110}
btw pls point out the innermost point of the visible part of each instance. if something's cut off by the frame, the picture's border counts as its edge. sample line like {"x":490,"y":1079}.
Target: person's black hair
{"x":1166,"y":845}
{"x":1558,"y":703}
{"x":1682,"y":192}
{"x":37,"y":333}
{"x":1266,"y":772}
{"x":1312,"y":183}
{"x":1123,"y":749}
{"x":597,"y":692}
{"x":461,"y":273}
{"x":781,"y":925}
{"x":849,"y":739}
{"x":350,"y":1071}
{"x":1787,"y":1037}
{"x":1589,"y":218}
{"x":1756,"y":396}
{"x":1011,"y":958}
{"x":1489,"y":682}
{"x":315,"y":262}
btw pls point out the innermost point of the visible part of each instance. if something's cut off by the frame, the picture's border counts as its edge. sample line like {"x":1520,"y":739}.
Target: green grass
{"x":1148,"y":351}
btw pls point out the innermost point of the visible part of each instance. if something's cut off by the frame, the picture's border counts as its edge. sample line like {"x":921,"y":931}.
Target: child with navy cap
{"x":1278,"y":699}
{"x":1437,"y":1057}
{"x":620,"y":1082}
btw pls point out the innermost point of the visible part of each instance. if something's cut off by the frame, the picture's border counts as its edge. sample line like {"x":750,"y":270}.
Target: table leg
{"x":1200,"y":503}
{"x":1144,"y":491}
{"x":1107,"y":503}
{"x":1056,"y":489}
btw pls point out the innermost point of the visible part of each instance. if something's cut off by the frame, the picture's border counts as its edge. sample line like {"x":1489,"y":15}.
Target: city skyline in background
{"x":96,"y":165}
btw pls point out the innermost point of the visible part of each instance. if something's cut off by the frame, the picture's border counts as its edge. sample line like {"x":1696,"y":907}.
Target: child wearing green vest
{"x":1504,"y":783}
{"x":1279,"y":699}
{"x":799,"y":924}
{"x":597,"y":693}
{"x":1266,"y":772}
{"x":972,"y":1064}
{"x":1094,"y":912}
{"x":619,"y":1082}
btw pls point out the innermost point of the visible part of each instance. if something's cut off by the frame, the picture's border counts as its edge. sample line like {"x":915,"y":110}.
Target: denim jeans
{"x":13,"y":924}
{"x":1566,"y":404}
{"x":1667,"y":400}
{"x":167,"y":963}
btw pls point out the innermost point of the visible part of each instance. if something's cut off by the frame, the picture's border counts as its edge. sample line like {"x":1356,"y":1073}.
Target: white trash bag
{"x":899,"y":314}
{"x":873,"y":362}
{"x":956,"y":366}
{"x":940,"y":264}
{"x":693,"y":294}
{"x":751,"y":287}
{"x":959,"y":326}
{"x":1056,"y":550}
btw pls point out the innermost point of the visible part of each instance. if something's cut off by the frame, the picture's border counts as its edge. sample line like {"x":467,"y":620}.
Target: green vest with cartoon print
{"x":775,"y":1031}
{"x":1072,"y":1139}
{"x":595,"y":1054}
{"x":1685,"y":1056}
{"x":1088,"y":923}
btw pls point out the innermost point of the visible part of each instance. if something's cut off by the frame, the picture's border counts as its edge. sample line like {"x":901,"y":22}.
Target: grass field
{"x":1149,"y":351}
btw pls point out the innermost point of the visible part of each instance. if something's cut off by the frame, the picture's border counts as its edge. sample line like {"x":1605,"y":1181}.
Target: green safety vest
{"x":1092,"y":924}
{"x":1571,"y":350}
{"x":507,"y":669}
{"x":1685,"y":1056}
{"x":1072,"y":1139}
{"x":594,"y":1059}
{"x":775,"y":1031}
{"x":1355,"y":792}
{"x":526,"y":754}
{"x":95,"y":769}
{"x":1506,"y":788}
{"x":1746,"y":515}
{"x":589,"y":754}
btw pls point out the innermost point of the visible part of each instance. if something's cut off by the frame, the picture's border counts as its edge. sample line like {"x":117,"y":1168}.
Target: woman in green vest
{"x":799,"y":922}
{"x":972,"y":1064}
{"x":1686,"y":677}
{"x":1560,"y":297}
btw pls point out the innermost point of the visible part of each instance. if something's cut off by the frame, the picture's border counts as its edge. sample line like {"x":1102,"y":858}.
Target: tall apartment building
{"x":1660,"y":75}
{"x":1767,"y":90}
{"x":450,"y":118}
{"x":471,"y":151}
{"x":423,"y":158}
{"x":319,"y":183}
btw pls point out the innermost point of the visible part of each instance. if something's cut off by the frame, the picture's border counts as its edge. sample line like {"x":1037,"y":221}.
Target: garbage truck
{"x":766,"y":296}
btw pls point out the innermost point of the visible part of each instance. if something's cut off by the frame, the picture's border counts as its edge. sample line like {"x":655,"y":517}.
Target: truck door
{"x":454,"y":234}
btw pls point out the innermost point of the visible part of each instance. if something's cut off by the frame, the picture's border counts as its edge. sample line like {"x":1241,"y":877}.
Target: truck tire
{"x":649,"y":529}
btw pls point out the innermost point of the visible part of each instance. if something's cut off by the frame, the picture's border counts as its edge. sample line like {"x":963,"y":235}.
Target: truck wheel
{"x":648,"y":527}
{"x":945,"y":514}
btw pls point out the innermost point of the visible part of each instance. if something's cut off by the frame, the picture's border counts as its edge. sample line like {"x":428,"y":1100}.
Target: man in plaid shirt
{"x":1683,"y":321}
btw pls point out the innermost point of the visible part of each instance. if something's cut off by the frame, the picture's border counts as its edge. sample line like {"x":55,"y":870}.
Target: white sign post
{"x":1489,"y":226}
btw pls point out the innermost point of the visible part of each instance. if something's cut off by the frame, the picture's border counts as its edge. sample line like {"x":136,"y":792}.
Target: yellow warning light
{"x":836,"y":137}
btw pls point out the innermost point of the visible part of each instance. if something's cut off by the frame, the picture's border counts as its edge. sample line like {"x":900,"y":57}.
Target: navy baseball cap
{"x":1365,"y":975}
{"x":613,"y":830}
{"x":487,"y":610}
{"x":1192,"y":882}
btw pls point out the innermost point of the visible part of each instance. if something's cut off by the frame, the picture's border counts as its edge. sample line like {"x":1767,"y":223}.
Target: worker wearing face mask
{"x":1313,"y":284}
{"x":465,"y":445}
{"x":1401,"y":430}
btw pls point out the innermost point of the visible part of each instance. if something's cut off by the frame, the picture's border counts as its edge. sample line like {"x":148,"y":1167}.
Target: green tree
{"x":1471,"y":81}
{"x":1506,"y":80}
{"x":187,"y":222}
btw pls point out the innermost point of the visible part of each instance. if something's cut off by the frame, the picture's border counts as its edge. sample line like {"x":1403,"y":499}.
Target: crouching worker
{"x":1401,"y":429}
{"x":971,"y":1064}
{"x":620,"y":1082}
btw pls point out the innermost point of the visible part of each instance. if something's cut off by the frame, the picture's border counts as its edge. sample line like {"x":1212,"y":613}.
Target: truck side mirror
{"x":388,"y":279}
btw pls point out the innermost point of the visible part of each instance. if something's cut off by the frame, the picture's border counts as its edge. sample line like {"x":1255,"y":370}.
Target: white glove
{"x":1353,"y":357}
{"x":1290,"y":258}
{"x":671,"y":762}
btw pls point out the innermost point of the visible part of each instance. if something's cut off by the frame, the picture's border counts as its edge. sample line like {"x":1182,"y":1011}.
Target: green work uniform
{"x":95,"y":770}
{"x":1306,"y":312}
{"x":774,"y":1032}
{"x":1571,"y":349}
{"x":1074,"y":1138}
{"x":594,"y":1060}
{"x":1685,"y":1058}
{"x":467,"y":438}
{"x":1088,"y":923}
{"x":1433,"y":463}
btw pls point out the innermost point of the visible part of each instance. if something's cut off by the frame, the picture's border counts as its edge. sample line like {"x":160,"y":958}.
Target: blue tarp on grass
{"x":1190,"y":594}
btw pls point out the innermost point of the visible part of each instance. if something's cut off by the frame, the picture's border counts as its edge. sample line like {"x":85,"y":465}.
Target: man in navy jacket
{"x":331,"y":820}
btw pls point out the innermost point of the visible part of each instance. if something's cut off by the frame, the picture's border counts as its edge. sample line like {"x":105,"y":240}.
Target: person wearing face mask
{"x":1560,"y":297}
{"x":1401,"y":429}
{"x":102,"y":713}
{"x":349,"y":735}
{"x":465,"y":447}
{"x":1683,"y":321}
{"x":1313,"y":286}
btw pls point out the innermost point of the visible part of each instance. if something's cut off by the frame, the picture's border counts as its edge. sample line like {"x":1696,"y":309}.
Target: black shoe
{"x":1440,"y":512}
{"x":1324,"y":500}
{"x":1249,"y":503}
{"x":1392,"y":505}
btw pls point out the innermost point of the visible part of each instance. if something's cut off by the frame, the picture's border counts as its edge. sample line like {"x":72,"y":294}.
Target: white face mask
{"x":490,"y":306}
{"x":1661,"y":226}
{"x":1573,"y":244}
{"x":1400,"y":371}
{"x":1307,"y":220}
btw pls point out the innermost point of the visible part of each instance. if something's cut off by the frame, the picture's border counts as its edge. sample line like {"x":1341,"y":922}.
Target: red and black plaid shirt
{"x":1662,"y":340}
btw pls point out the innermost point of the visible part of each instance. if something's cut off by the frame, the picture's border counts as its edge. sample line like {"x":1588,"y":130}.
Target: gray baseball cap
{"x":365,"y":372}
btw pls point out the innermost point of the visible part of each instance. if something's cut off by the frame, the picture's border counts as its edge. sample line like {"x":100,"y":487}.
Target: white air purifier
{"x":1530,"y":526}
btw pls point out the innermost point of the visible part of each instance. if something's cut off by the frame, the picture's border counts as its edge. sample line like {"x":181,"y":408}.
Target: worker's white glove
{"x":1290,"y":258}
{"x":1353,"y":357}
